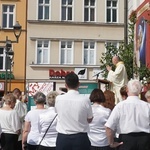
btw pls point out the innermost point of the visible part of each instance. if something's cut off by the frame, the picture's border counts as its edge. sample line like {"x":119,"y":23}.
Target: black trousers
{"x":135,"y":141}
{"x":9,"y":141}
{"x":31,"y":147}
{"x":46,"y":148}
{"x":79,"y":141}
{"x":101,"y":148}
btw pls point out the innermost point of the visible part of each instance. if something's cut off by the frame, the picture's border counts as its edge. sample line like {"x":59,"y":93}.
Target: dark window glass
{"x":114,"y":3}
{"x":108,"y":3}
{"x":40,"y":1}
{"x":4,"y":20}
{"x":86,"y":2}
{"x":69,"y":44}
{"x":92,"y":2}
{"x":92,"y":15}
{"x":108,"y":15}
{"x":92,"y":44}
{"x":4,"y":8}
{"x":1,"y":62}
{"x":70,"y":2}
{"x":1,"y":50}
{"x":46,"y":1}
{"x":11,"y":8}
{"x":114,"y":15}
{"x":46,"y":12}
{"x":11,"y":21}
{"x":62,"y":44}
{"x":40,"y":12}
{"x":63,"y":13}
{"x":64,"y":2}
{"x":86,"y":14}
{"x":69,"y":13}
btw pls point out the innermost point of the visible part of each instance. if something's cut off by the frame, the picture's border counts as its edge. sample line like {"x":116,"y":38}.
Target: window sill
{"x":62,"y":66}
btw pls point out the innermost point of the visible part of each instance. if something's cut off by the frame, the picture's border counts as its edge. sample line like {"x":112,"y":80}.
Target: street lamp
{"x":8,"y":50}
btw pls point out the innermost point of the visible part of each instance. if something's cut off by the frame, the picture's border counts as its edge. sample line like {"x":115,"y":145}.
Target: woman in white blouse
{"x":31,"y":131}
{"x":97,"y":134}
{"x":45,"y":119}
{"x":10,"y":123}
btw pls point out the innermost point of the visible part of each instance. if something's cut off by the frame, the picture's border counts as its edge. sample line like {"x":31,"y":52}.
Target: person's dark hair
{"x":72,"y":80}
{"x":97,"y":95}
{"x":39,"y":98}
{"x":16,"y":90}
{"x":123,"y":91}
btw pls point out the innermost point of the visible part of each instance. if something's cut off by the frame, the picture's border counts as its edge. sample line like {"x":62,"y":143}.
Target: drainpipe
{"x":126,"y":21}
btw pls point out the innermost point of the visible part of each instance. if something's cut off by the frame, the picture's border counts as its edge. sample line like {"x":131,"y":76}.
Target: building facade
{"x":70,"y":35}
{"x":12,"y":73}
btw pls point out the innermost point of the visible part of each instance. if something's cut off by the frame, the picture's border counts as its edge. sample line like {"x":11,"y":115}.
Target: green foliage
{"x":126,"y":53}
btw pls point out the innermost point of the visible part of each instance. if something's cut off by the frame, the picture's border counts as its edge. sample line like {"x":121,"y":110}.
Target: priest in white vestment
{"x":118,"y":78}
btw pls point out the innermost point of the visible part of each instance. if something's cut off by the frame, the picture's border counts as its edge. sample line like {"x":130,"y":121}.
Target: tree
{"x":126,"y":53}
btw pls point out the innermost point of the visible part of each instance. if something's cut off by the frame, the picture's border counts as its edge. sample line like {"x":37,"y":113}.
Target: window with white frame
{"x":89,"y":53}
{"x":44,"y":10}
{"x":112,"y":8}
{"x":8,"y":16}
{"x":113,"y":46}
{"x":43,"y":52}
{"x":66,"y":10}
{"x":3,"y":59}
{"x":66,"y":52}
{"x":89,"y":10}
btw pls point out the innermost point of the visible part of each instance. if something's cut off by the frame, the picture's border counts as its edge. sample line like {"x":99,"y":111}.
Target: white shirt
{"x":97,"y":134}
{"x":0,"y":130}
{"x":9,"y":121}
{"x":45,"y":120}
{"x":20,"y":109}
{"x":73,"y":110}
{"x":131,"y":115}
{"x":33,"y":117}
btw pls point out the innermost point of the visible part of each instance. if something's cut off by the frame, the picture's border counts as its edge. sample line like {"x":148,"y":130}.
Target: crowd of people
{"x":72,"y":121}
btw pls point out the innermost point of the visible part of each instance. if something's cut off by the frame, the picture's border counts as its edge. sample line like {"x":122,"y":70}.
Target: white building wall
{"x":76,"y":30}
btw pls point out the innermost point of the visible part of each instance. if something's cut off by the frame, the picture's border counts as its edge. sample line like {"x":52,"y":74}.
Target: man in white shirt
{"x":118,"y":78}
{"x":131,"y":120}
{"x":74,"y":115}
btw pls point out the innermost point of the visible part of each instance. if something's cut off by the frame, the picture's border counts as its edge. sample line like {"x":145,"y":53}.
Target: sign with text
{"x":58,"y":74}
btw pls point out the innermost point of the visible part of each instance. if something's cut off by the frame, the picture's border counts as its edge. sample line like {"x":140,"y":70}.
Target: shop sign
{"x":58,"y":74}
{"x":9,"y":76}
{"x":44,"y":87}
{"x":81,"y":72}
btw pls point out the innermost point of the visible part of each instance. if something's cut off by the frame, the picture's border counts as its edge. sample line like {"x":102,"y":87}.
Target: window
{"x":44,"y":10}
{"x":8,"y":16}
{"x":111,"y":11}
{"x":66,"y":52}
{"x":112,"y":47}
{"x":43,"y":52}
{"x":89,"y":10}
{"x":66,"y":10}
{"x":3,"y":59}
{"x":113,"y":44}
{"x":89,"y":53}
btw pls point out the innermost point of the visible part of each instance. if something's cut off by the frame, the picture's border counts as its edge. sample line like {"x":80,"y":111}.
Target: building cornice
{"x":75,"y":23}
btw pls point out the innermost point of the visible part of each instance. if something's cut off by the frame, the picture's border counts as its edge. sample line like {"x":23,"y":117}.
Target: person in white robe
{"x":118,"y":77}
